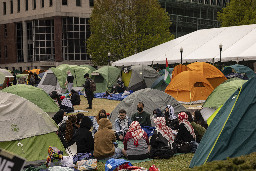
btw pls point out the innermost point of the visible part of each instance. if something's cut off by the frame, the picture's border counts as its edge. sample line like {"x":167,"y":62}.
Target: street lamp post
{"x":181,"y":51}
{"x":220,"y":47}
{"x":109,"y":54}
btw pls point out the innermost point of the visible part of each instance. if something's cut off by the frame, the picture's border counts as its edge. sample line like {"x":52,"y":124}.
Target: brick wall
{"x":10,"y":42}
{"x":58,"y":38}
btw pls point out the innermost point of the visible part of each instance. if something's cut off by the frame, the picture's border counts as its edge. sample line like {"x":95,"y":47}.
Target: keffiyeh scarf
{"x":163,"y":129}
{"x":183,"y":118}
{"x":136,"y":131}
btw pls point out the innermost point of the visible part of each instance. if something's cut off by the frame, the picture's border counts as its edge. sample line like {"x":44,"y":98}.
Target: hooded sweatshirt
{"x":83,"y":137}
{"x":103,"y":140}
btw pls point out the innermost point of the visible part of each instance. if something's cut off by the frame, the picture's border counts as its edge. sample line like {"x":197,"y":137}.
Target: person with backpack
{"x":89,"y":87}
{"x":69,"y":81}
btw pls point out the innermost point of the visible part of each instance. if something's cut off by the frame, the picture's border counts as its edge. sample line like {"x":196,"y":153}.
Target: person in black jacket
{"x":83,"y":137}
{"x":75,"y":98}
{"x":88,"y":91}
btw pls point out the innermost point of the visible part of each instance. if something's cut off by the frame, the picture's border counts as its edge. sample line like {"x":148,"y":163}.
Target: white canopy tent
{"x":239,"y":43}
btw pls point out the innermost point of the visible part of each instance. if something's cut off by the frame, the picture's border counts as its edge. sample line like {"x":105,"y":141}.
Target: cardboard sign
{"x":10,"y":162}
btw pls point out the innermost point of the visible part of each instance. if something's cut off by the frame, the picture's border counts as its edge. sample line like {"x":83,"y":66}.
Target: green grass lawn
{"x":178,"y":162}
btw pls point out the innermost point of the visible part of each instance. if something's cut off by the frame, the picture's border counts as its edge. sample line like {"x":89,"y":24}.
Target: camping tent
{"x":35,"y":95}
{"x":202,"y":46}
{"x":232,"y":132}
{"x":4,"y":73}
{"x":178,"y":69}
{"x":141,"y":77}
{"x":26,"y":130}
{"x":159,"y":84}
{"x":222,"y":93}
{"x":49,"y":82}
{"x":105,"y":78}
{"x":77,"y":71}
{"x":239,"y":69}
{"x":210,"y":72}
{"x":151,"y":98}
{"x":189,"y":87}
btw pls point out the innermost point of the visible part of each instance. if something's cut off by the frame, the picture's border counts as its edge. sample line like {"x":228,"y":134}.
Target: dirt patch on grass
{"x":97,"y":105}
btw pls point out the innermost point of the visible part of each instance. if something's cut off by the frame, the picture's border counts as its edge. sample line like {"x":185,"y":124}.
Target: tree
{"x":126,"y":27}
{"x":238,"y":12}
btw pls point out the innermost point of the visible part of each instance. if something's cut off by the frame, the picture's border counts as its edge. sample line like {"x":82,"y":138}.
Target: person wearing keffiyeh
{"x":186,"y":131}
{"x":164,"y":130}
{"x":136,"y":143}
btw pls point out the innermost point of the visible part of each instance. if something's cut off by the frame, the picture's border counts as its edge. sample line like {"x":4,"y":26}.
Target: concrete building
{"x":43,"y":33}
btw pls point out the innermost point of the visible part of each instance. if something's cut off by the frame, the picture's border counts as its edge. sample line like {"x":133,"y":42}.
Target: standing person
{"x":37,"y":79}
{"x":31,"y":79}
{"x":69,"y":81}
{"x":136,"y":143}
{"x":122,"y":124}
{"x":141,"y":116}
{"x":88,"y":91}
{"x":104,"y":141}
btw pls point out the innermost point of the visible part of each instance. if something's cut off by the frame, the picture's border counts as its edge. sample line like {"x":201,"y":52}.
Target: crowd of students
{"x":172,"y":134}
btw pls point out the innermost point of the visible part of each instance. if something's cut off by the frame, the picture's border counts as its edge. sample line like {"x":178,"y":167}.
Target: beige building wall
{"x":57,"y":9}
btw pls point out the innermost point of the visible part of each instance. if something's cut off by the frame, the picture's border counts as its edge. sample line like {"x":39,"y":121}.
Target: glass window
{"x":4,"y":8}
{"x":50,"y":3}
{"x":26,"y":5}
{"x":78,"y":3}
{"x":18,"y":7}
{"x":11,"y":6}
{"x":91,"y":2}
{"x":34,"y":4}
{"x":42,"y":3}
{"x":5,"y":30}
{"x":64,"y":2}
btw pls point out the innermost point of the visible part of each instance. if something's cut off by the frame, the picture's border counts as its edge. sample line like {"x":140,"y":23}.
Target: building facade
{"x":47,"y":33}
{"x":191,"y":15}
{"x":43,"y":33}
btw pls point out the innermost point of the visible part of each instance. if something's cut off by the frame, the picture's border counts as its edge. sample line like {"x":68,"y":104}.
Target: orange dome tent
{"x":210,"y":72}
{"x":178,"y":69}
{"x":189,"y":86}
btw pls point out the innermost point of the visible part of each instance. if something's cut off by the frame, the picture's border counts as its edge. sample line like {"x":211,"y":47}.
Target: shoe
{"x":89,"y":108}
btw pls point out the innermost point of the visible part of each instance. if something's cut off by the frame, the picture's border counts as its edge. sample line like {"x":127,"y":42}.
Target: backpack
{"x":92,"y":85}
{"x":162,"y":149}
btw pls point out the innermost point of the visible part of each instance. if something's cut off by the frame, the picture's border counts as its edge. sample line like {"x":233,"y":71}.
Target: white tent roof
{"x":239,"y":42}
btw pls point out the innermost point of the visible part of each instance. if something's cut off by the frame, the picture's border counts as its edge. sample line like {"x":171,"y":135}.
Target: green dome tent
{"x":232,"y":132}
{"x":23,"y":122}
{"x":35,"y":95}
{"x":77,"y":71}
{"x":105,"y":78}
{"x":239,"y":69}
{"x":221,"y":93}
{"x":219,"y":96}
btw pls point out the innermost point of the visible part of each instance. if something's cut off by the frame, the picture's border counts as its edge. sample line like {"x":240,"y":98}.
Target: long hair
{"x":69,"y":127}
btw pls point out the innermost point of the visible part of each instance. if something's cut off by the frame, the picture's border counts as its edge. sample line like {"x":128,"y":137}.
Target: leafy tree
{"x":126,"y":27}
{"x":238,"y":12}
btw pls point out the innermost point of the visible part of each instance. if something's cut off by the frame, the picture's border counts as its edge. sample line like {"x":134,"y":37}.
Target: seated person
{"x":122,"y":124}
{"x":66,"y":105}
{"x":104,"y":140}
{"x":162,"y":137}
{"x":58,"y":117}
{"x":83,"y":137}
{"x":75,"y":98}
{"x":185,"y":134}
{"x":102,"y":114}
{"x":199,"y":119}
{"x":157,"y":113}
{"x":136,"y":143}
{"x":141,"y":116}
